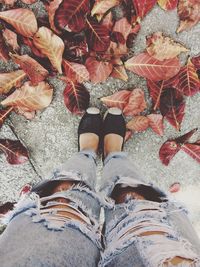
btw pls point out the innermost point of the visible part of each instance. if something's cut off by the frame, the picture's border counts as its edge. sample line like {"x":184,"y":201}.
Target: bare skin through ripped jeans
{"x":61,"y":228}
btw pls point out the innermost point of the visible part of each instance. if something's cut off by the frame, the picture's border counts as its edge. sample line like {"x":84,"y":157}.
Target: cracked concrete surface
{"x":51,"y":137}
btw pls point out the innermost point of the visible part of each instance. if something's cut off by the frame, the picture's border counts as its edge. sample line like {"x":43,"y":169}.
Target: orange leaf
{"x":138,"y":124}
{"x":189,"y":83}
{"x":118,"y":99}
{"x":50,"y":45}
{"x":151,"y":68}
{"x":189,"y":14}
{"x":11,"y":39}
{"x":31,"y":67}
{"x":156,"y":123}
{"x":102,"y":6}
{"x":136,"y":103}
{"x":30,"y":97}
{"x":23,"y":20}
{"x":10,"y":79}
{"x":75,"y":72}
{"x":99,"y":70}
{"x":162,"y":47}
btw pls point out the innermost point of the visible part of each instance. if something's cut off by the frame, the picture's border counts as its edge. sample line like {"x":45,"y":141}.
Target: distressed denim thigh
{"x":28,"y":244}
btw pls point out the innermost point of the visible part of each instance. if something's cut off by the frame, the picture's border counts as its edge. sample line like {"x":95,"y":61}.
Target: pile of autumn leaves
{"x":81,"y":41}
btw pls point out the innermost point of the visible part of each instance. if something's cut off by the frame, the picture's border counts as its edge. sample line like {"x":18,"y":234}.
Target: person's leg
{"x":139,"y":231}
{"x":57,"y":223}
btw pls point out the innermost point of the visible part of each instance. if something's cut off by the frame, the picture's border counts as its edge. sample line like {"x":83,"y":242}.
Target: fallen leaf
{"x":11,"y":79}
{"x":97,"y":36}
{"x":168,"y":4}
{"x":31,"y":67}
{"x":196,"y":62}
{"x":4,"y":114}
{"x":156,"y":123}
{"x":162,"y":47}
{"x":175,"y":187}
{"x":8,"y":2}
{"x":3,"y":49}
{"x":34,"y":50}
{"x":6,"y":207}
{"x":71,"y":14}
{"x":29,"y":2}
{"x":123,"y":26}
{"x":11,"y":39}
{"x":142,"y":7}
{"x":193,"y":150}
{"x":108,"y":21}
{"x":151,"y":68}
{"x":75,"y":72}
{"x":189,"y":14}
{"x":118,"y":99}
{"x":119,"y":71}
{"x":136,"y":103}
{"x":14,"y":151}
{"x":53,"y":6}
{"x":138,"y":124}
{"x":102,"y":6}
{"x":29,"y":115}
{"x":169,"y":149}
{"x":99,"y":70}
{"x":30,"y":97}
{"x":189,"y":83}
{"x":50,"y":45}
{"x":23,"y":20}
{"x":76,"y":97}
{"x":156,"y":89}
{"x":75,"y":49}
{"x":128,"y":135}
{"x":172,"y":107}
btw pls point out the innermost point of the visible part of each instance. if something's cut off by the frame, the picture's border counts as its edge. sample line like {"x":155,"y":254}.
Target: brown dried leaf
{"x":11,"y":79}
{"x":102,"y":6}
{"x":75,"y":72}
{"x":11,"y":39}
{"x":156,"y":123}
{"x":138,"y":124}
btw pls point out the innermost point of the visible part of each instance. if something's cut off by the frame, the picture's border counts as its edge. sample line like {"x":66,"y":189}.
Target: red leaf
{"x":118,"y":99}
{"x":75,"y":49}
{"x":151,"y":68}
{"x":98,"y":36}
{"x":108,"y":21}
{"x":75,"y":72}
{"x":53,"y":6}
{"x":70,"y":15}
{"x":142,"y":7}
{"x":156,"y":89}
{"x":4,"y":114}
{"x":3,"y":49}
{"x":26,"y":189}
{"x":23,"y":20}
{"x":11,"y":39}
{"x":196,"y":62}
{"x":138,"y":124}
{"x":136,"y":103}
{"x":28,"y":2}
{"x":193,"y":150}
{"x":76,"y":97}
{"x":172,"y":107}
{"x":175,"y":187}
{"x":189,"y":14}
{"x":31,"y":67}
{"x":123,"y":26}
{"x":119,"y":71}
{"x":15,"y":152}
{"x":156,"y":123}
{"x":189,"y":83}
{"x":168,"y":150}
{"x":99,"y":70}
{"x":168,"y":4}
{"x":118,"y":37}
{"x":6,"y":207}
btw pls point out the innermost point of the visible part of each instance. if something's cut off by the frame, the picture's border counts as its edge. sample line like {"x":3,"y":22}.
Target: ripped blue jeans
{"x":135,"y":233}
